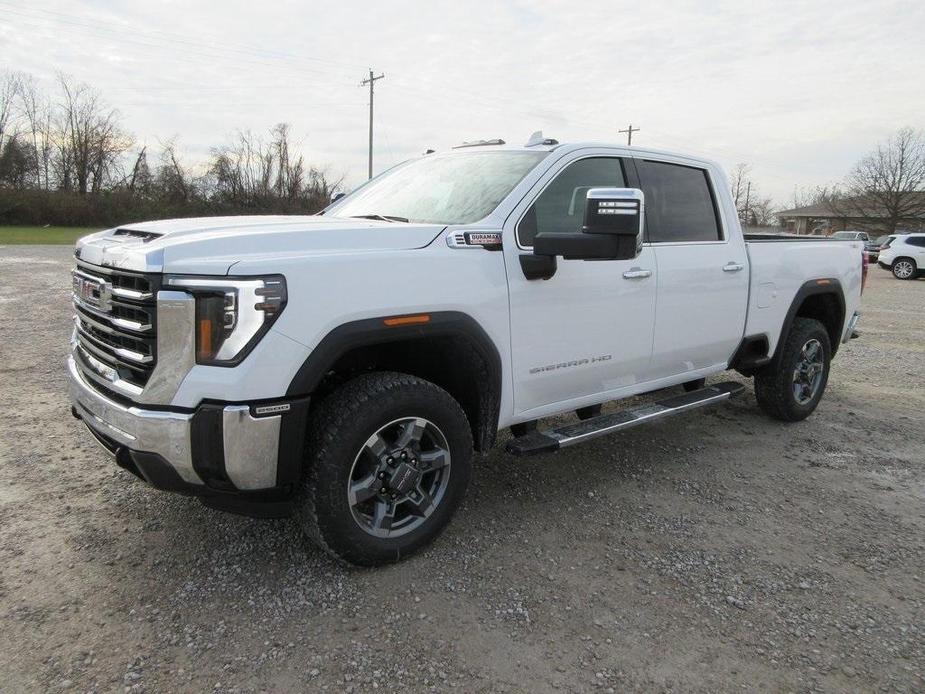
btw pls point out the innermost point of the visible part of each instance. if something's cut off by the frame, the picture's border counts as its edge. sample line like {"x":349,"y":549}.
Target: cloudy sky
{"x":800,"y":90}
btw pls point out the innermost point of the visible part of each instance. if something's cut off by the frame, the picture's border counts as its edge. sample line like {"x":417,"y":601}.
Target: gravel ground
{"x":717,"y":551}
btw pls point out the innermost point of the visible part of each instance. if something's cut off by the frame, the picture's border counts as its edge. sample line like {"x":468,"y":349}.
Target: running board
{"x":570,"y":434}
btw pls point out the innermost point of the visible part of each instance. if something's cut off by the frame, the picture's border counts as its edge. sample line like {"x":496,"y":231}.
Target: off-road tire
{"x":774,"y":383}
{"x":337,"y":431}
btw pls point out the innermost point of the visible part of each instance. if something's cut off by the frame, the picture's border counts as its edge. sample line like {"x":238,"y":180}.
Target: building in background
{"x":824,"y":218}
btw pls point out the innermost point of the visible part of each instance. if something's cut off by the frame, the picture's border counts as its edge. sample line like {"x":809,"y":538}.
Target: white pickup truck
{"x":342,"y":367}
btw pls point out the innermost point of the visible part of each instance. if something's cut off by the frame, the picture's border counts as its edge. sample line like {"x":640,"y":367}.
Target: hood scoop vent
{"x":145,"y":236}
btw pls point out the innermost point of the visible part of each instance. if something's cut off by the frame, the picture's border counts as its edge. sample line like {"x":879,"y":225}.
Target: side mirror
{"x":337,"y":195}
{"x":612,"y":229}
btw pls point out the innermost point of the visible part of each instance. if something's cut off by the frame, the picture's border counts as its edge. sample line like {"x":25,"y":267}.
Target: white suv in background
{"x":904,"y":255}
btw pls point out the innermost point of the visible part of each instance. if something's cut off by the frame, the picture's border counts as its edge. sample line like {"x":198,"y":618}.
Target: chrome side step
{"x":570,"y":434}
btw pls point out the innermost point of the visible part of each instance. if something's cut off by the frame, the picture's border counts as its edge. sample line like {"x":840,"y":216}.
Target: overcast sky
{"x":800,"y":90}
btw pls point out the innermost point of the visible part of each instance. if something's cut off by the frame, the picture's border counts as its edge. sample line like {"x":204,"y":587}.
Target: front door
{"x":588,"y":329}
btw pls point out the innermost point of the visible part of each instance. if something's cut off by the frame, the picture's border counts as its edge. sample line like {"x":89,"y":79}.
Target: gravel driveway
{"x":716,"y":551}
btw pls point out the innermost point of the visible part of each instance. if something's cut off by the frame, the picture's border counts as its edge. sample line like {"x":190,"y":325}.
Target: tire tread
{"x":335,"y":412}
{"x":773,"y":382}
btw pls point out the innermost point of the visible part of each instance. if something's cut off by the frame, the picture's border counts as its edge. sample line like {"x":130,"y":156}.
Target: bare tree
{"x":10,"y":83}
{"x":37,"y":113}
{"x":174,"y":182}
{"x":814,"y":195}
{"x":739,"y":184}
{"x":762,"y":212}
{"x":16,"y":163}
{"x":319,"y":188}
{"x":289,"y":173}
{"x":140,"y":182}
{"x":91,"y":141}
{"x":753,"y":209}
{"x":886,"y":189}
{"x":75,"y":143}
{"x":265,"y":175}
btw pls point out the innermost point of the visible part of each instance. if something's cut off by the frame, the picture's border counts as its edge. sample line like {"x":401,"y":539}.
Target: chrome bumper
{"x":250,"y":445}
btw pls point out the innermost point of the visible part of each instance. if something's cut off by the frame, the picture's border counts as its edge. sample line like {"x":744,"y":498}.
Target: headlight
{"x":232,"y":314}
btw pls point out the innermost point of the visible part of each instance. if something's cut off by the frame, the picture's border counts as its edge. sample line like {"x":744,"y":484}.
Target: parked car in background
{"x":851,"y":235}
{"x":904,"y":255}
{"x":871,"y":248}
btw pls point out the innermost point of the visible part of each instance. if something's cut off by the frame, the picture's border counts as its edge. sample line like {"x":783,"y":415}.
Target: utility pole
{"x":629,"y":133}
{"x":748,"y":193}
{"x":371,"y":81}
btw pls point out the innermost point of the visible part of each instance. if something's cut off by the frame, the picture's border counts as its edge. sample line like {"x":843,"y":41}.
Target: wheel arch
{"x":822,"y":299}
{"x":448,"y":348}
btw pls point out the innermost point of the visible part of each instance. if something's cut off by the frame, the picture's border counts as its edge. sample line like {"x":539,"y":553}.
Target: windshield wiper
{"x":382,"y":217}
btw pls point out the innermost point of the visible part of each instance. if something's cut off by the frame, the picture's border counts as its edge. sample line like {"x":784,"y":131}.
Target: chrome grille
{"x":116,"y":322}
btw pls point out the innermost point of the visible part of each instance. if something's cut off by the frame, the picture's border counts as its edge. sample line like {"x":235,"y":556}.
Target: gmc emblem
{"x":93,"y":292}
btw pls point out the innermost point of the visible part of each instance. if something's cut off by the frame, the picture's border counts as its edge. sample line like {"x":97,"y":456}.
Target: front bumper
{"x":217,"y":449}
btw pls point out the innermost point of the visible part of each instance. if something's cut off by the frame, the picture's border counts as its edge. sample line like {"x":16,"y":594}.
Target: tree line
{"x":883,"y":192}
{"x":67,"y":159}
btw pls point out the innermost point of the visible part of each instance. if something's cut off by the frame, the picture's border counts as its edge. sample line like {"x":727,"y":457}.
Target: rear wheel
{"x":390,"y":460}
{"x":791,"y":388}
{"x":904,"y":269}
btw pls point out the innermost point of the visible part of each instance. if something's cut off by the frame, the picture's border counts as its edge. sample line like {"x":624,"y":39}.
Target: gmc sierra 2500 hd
{"x":343,"y":367}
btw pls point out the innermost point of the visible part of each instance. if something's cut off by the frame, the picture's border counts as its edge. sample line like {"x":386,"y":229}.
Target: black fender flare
{"x":370,"y":332}
{"x":823,"y":285}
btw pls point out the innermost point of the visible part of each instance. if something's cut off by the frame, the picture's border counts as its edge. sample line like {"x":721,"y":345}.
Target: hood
{"x":211,"y":245}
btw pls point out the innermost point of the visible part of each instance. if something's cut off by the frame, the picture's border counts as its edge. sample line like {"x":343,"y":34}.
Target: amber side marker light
{"x":407,"y":320}
{"x":205,"y":339}
{"x":823,"y":281}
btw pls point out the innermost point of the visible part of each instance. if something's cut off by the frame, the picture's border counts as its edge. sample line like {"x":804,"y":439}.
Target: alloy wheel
{"x":808,"y":372}
{"x":399,"y":477}
{"x":903,"y":269}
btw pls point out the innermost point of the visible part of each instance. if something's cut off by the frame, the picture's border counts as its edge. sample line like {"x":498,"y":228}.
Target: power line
{"x":371,"y":81}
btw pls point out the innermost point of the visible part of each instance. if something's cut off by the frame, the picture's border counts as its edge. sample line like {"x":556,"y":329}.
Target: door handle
{"x":636,"y":273}
{"x":733,"y":267}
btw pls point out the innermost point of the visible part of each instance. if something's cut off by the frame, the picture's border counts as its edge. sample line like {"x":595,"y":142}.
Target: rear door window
{"x":680,"y":205}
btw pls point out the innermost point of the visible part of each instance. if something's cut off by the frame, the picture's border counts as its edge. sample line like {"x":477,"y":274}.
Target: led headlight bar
{"x":232,"y":314}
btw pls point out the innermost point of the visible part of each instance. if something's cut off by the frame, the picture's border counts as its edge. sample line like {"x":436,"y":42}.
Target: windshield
{"x":458,"y":188}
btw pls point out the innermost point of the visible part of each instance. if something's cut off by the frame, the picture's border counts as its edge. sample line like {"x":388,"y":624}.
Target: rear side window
{"x":679,"y":203}
{"x":916,"y":241}
{"x":561,"y":206}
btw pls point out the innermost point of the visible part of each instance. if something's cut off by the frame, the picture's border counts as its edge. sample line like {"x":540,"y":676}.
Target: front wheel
{"x":904,"y":269}
{"x":790,"y":388}
{"x":390,"y":460}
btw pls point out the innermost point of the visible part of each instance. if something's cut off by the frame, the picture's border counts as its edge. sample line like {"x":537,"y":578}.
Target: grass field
{"x":42,"y":235}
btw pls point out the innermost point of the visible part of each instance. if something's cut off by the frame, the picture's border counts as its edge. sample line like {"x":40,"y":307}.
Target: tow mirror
{"x":612,"y":228}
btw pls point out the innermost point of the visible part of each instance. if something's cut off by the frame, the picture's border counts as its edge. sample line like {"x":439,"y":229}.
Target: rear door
{"x":588,"y":329}
{"x":703,"y":270}
{"x":915,"y":247}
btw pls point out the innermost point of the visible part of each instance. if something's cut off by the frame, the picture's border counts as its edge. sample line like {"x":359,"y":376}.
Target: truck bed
{"x":780,"y":265}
